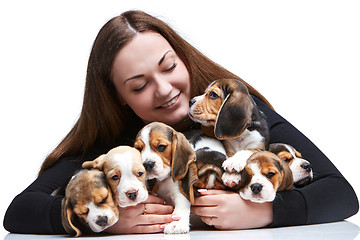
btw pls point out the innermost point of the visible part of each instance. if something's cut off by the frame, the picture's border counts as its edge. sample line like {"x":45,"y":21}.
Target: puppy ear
{"x":183,"y":165}
{"x":68,"y":215}
{"x":97,"y":163}
{"x":235,"y":112}
{"x":287,"y":180}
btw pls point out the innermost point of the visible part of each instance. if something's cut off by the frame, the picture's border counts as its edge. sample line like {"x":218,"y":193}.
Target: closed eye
{"x":171,"y":68}
{"x":104,"y":200}
{"x":140,"y":88}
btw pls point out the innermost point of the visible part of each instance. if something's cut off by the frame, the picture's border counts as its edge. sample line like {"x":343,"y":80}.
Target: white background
{"x":304,"y":56}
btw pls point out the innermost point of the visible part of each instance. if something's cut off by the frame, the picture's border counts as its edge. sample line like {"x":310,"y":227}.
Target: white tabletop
{"x":343,"y":230}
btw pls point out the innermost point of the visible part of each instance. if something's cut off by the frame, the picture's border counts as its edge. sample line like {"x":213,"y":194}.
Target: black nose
{"x":149,"y":165}
{"x":192,"y":101}
{"x":307,"y":167}
{"x":131,"y":195}
{"x":256,"y":188}
{"x":102,"y":221}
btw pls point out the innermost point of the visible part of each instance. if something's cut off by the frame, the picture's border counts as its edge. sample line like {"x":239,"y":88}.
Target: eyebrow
{"x":142,"y":75}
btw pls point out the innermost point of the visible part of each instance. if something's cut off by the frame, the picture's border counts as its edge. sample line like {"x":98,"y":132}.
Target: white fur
{"x":95,"y":213}
{"x":231,"y":179}
{"x":128,"y":181}
{"x":247,"y":140}
{"x":170,"y":192}
{"x":212,"y":143}
{"x":237,"y":162}
{"x":267,"y":194}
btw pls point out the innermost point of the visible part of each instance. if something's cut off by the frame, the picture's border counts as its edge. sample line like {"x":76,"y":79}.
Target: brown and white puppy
{"x":169,"y":158}
{"x":125,"y":174}
{"x":88,"y":205}
{"x":301,"y":168}
{"x":266,"y":174}
{"x":210,"y":155}
{"x":228,"y":109}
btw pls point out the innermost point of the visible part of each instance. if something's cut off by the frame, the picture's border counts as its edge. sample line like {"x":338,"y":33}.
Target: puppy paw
{"x":237,"y":162}
{"x":177,"y":227}
{"x":231,"y":179}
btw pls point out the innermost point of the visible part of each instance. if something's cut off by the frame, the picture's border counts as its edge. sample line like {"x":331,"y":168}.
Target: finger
{"x":211,"y":221}
{"x":159,"y":209}
{"x":205,"y":192}
{"x":156,"y":228}
{"x":204,"y":211}
{"x":155,"y":199}
{"x":151,"y":219}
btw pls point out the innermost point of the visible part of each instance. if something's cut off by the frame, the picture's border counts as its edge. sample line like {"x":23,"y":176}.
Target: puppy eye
{"x":84,"y":213}
{"x":104,"y":200}
{"x":270,"y":175}
{"x":213,"y":95}
{"x":161,"y":148}
{"x":139,"y":174}
{"x":115,"y":177}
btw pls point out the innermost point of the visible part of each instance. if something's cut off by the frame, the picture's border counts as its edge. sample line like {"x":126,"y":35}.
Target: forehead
{"x":144,"y":49}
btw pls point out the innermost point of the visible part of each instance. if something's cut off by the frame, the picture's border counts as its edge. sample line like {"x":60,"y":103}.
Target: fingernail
{"x":202,"y":190}
{"x":175,"y":217}
{"x":163,"y":226}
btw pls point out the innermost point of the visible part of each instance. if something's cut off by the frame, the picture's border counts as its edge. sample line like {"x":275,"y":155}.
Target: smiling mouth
{"x":171,"y":102}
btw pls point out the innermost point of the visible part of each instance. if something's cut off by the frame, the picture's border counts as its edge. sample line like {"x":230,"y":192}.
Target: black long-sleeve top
{"x":328,"y":198}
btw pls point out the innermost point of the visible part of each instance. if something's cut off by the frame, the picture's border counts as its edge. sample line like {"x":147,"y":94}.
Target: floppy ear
{"x":235,"y":114}
{"x":183,"y":165}
{"x":287,"y":180}
{"x":97,"y":163}
{"x":68,"y":215}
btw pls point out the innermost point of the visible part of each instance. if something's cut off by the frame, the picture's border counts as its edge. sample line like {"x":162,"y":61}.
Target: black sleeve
{"x":35,"y":210}
{"x":328,"y":198}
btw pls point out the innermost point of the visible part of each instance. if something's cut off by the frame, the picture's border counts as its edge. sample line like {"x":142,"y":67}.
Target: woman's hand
{"x":149,"y":217}
{"x":227,"y":210}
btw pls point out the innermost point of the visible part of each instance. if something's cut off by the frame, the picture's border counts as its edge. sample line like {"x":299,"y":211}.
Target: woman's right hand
{"x":150,"y":216}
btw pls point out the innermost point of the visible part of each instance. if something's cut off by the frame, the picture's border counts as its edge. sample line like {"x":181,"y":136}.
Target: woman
{"x":141,"y":71}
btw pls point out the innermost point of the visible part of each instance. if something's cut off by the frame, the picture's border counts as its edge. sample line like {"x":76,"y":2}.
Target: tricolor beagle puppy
{"x":169,"y":158}
{"x":125,"y":174}
{"x":301,"y":168}
{"x":266,"y":174}
{"x":227,"y":110}
{"x":210,"y":155}
{"x":88,"y":205}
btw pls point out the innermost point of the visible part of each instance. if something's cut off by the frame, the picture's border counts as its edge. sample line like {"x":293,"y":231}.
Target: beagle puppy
{"x":301,"y":168}
{"x":125,"y":174}
{"x":265,"y":174}
{"x":210,"y":154}
{"x":169,"y":158}
{"x":88,"y":205}
{"x":227,"y":111}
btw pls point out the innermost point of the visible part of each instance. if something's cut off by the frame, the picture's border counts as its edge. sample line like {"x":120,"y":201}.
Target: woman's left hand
{"x":227,"y":210}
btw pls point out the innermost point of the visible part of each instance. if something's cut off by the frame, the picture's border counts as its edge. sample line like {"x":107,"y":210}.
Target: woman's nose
{"x":163,"y":87}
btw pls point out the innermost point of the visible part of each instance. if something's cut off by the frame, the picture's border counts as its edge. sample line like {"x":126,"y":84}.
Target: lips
{"x":171,"y":102}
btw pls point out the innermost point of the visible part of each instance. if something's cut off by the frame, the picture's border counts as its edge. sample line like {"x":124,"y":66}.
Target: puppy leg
{"x":231,"y":179}
{"x":171,"y":191}
{"x":237,"y":162}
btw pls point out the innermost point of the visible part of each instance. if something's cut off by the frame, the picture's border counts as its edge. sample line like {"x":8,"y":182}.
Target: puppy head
{"x":269,"y":174}
{"x":301,"y":168}
{"x":166,"y":152}
{"x":226,"y":105}
{"x":88,"y":203}
{"x":125,"y":174}
{"x":209,"y":164}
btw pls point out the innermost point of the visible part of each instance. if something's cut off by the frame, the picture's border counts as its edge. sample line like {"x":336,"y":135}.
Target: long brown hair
{"x":103,"y":117}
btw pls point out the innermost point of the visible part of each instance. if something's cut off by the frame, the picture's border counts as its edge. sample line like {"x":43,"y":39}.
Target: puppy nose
{"x":192,"y":101}
{"x":307,"y":167}
{"x":256,"y":188}
{"x":102,"y":221}
{"x":132,"y":194}
{"x":149,"y":165}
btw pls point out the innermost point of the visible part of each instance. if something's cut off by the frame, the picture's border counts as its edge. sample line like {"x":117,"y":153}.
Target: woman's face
{"x":151,"y":79}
